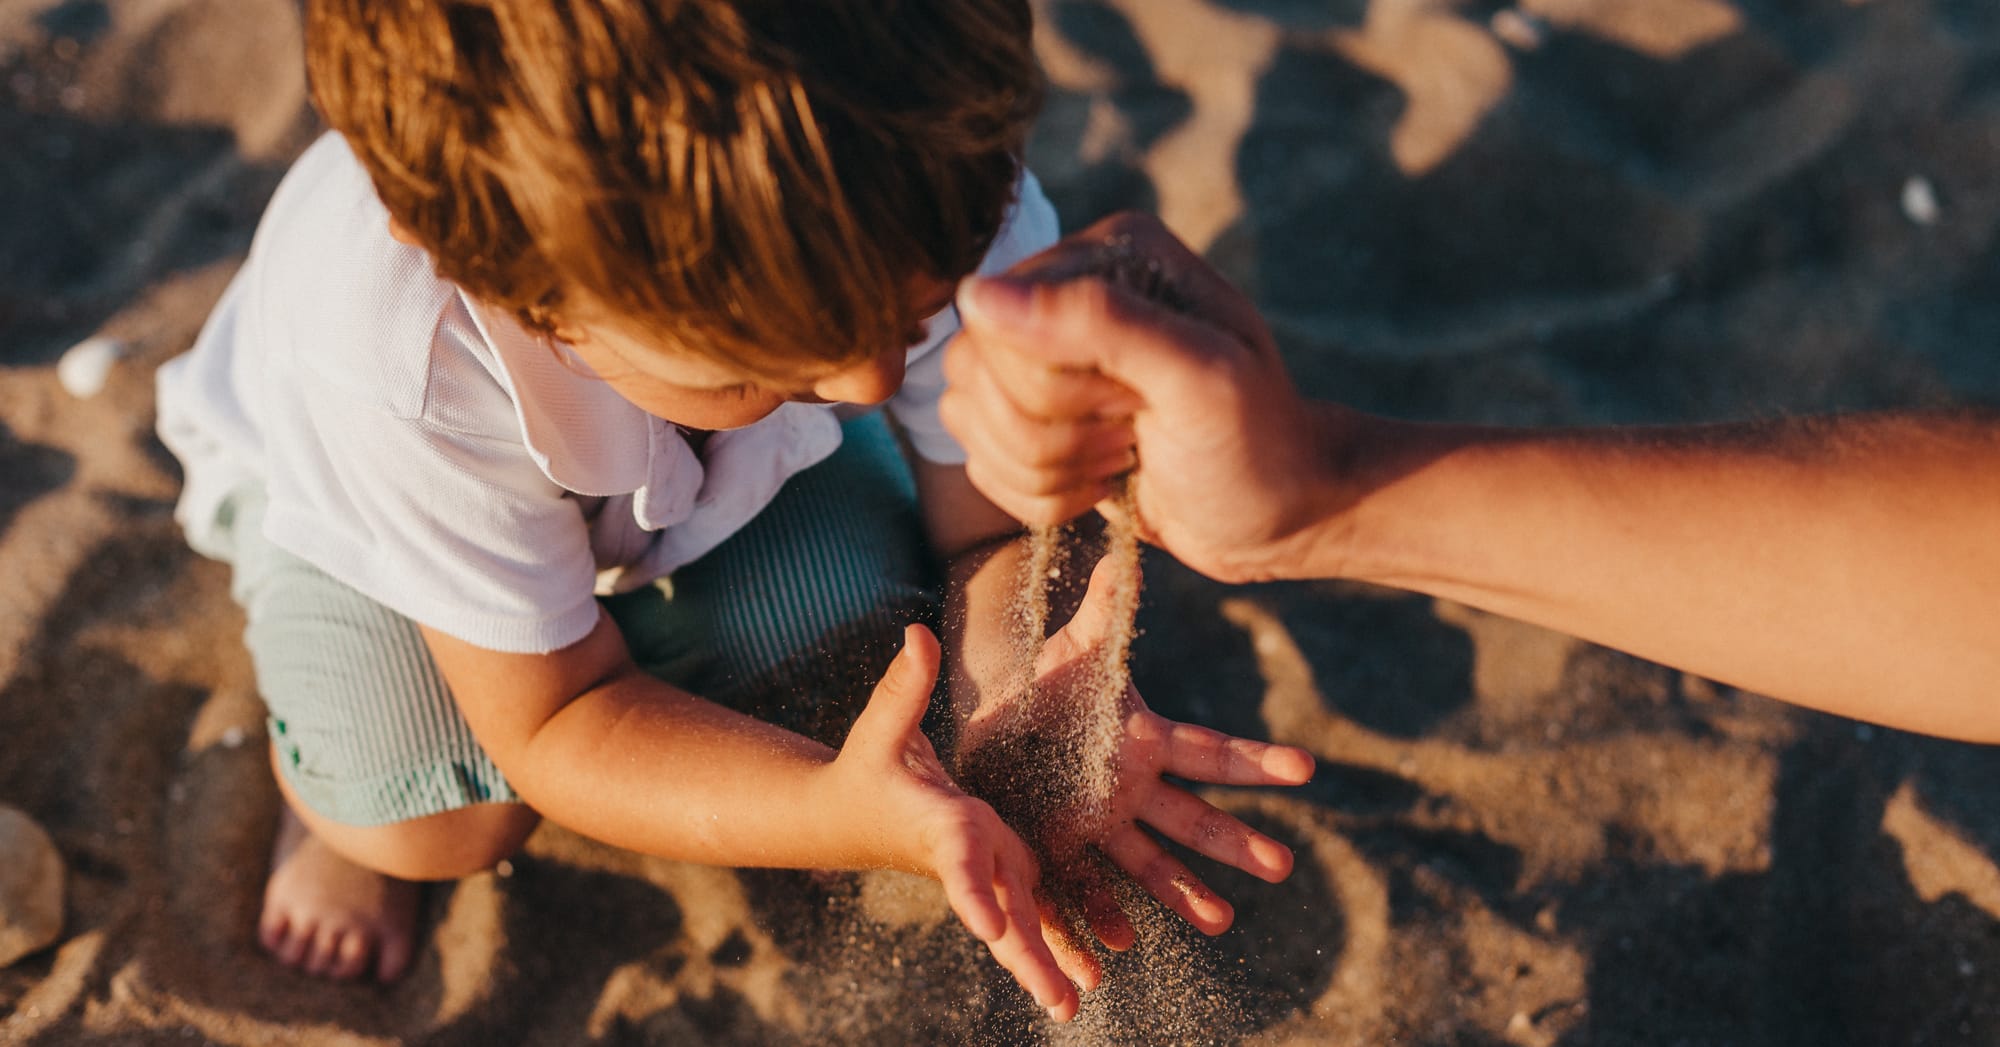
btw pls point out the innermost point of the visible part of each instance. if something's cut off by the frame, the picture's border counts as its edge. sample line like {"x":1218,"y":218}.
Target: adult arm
{"x":1848,"y":563}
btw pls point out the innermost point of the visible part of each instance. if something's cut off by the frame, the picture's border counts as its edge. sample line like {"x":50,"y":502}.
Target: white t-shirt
{"x":433,"y":454}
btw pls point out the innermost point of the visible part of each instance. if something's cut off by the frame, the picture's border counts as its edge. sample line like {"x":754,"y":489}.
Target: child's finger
{"x":1204,"y":755}
{"x":992,"y":891}
{"x":900,"y":699}
{"x":1078,"y":963}
{"x":1096,"y":615}
{"x":1025,"y":955}
{"x":1211,"y":832}
{"x":966,"y":871}
{"x":1106,"y":918}
{"x":1088,"y":882}
{"x":1166,"y":878}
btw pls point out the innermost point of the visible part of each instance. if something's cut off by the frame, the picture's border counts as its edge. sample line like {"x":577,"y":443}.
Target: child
{"x":552,"y":362}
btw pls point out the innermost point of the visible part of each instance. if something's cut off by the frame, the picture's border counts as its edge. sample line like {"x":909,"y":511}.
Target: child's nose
{"x":869,"y":382}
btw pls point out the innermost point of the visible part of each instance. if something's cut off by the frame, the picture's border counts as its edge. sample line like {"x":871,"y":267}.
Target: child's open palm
{"x":1149,"y":750}
{"x":932,"y":826}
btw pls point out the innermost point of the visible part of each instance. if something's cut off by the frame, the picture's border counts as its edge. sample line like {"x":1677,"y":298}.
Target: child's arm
{"x":598,"y":745}
{"x":984,"y":581}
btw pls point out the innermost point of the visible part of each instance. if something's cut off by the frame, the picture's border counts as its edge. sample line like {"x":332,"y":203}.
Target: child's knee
{"x":454,"y":844}
{"x":444,"y":846}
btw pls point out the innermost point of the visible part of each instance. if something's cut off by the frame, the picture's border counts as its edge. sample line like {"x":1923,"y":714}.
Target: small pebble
{"x":84,"y":369}
{"x":1518,"y":28}
{"x":1920,"y":201}
{"x":1522,"y":1032}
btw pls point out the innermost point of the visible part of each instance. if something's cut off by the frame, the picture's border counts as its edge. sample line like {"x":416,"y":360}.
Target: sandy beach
{"x":1559,"y":211}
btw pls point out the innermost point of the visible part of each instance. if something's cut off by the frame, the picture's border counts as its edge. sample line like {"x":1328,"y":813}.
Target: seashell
{"x":1920,"y":201}
{"x":84,"y":369}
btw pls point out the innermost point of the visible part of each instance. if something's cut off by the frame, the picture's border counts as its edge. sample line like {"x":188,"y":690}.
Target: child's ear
{"x":402,"y":234}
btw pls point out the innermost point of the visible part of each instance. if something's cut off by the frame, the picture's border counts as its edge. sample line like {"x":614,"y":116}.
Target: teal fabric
{"x":792,"y":619}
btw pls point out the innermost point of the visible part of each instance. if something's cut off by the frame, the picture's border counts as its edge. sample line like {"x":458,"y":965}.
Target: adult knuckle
{"x":1054,"y":451}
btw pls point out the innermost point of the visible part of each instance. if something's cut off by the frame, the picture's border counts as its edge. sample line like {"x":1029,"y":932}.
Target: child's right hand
{"x":927,"y":824}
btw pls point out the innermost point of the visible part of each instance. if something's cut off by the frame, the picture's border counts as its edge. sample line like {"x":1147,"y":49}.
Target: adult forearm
{"x":1846,"y":564}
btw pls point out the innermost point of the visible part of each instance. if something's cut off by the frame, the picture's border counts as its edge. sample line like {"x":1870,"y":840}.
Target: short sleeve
{"x":443,"y":517}
{"x":1030,"y":227}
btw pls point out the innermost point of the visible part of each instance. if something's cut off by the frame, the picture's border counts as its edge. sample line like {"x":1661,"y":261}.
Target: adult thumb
{"x":1058,"y":323}
{"x":1095,"y":325}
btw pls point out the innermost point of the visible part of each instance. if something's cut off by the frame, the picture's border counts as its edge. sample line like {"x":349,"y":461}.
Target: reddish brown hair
{"x":754,"y":182}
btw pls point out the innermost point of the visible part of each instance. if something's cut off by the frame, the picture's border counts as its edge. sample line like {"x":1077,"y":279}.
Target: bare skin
{"x":341,"y":900}
{"x":328,"y":917}
{"x":606,"y":750}
{"x":1843,"y":563}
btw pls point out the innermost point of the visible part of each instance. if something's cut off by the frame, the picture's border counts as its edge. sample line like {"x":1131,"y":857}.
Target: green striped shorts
{"x":791,"y":619}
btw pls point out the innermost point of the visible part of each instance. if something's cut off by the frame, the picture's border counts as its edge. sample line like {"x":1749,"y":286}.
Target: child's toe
{"x":272,"y":930}
{"x":393,"y":955}
{"x":292,"y":944}
{"x":350,"y":955}
{"x":323,"y":952}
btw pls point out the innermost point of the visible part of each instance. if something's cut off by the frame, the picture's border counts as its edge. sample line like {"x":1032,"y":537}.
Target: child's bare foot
{"x":332,"y":918}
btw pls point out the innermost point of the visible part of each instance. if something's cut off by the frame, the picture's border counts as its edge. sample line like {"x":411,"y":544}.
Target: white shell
{"x":1920,"y":201}
{"x":85,"y":367}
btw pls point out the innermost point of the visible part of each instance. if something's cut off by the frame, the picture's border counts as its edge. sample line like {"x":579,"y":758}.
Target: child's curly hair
{"x":754,"y":182}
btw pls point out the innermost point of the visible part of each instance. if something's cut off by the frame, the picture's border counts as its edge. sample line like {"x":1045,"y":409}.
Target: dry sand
{"x":1564,"y":211}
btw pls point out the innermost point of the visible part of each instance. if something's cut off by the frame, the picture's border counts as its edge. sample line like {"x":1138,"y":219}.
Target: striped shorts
{"x":791,"y":619}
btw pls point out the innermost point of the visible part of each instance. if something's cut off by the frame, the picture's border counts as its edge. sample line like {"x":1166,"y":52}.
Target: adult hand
{"x":1119,"y":348}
